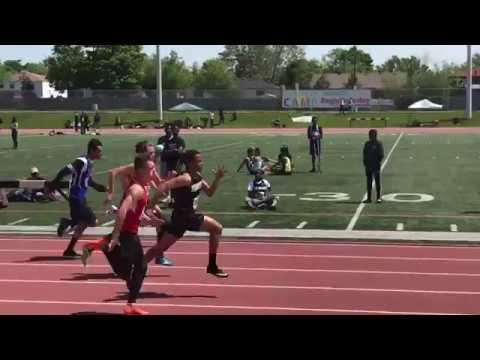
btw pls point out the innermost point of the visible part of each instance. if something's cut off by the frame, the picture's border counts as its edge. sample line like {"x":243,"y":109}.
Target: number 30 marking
{"x":326,"y":196}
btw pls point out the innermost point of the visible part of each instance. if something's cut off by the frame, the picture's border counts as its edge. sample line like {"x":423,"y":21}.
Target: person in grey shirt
{"x":372,"y":159}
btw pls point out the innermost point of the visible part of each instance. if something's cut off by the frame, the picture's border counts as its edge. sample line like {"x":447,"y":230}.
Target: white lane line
{"x":310,"y":256}
{"x":399,"y":227}
{"x":285,"y":194}
{"x":18,"y":221}
{"x":108,"y":223}
{"x":246,"y":286}
{"x":229,"y":307}
{"x":334,"y":271}
{"x":302,"y":225}
{"x":330,"y":243}
{"x":253,"y":224}
{"x":355,"y":217}
{"x":453,"y":227}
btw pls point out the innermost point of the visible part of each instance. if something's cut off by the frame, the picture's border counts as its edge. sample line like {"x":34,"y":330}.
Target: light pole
{"x":468,"y":109}
{"x":159,"y":85}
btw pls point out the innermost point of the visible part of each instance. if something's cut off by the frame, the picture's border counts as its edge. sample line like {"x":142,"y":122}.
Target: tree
{"x":13,"y":65}
{"x":214,"y":74}
{"x":115,"y":66}
{"x":175,"y":74}
{"x":300,"y":71}
{"x":264,"y":62}
{"x":4,"y":73}
{"x":348,"y":61}
{"x":351,"y":61}
{"x":476,"y":60}
{"x":96,"y":67}
{"x":410,"y":66}
{"x":37,"y":68}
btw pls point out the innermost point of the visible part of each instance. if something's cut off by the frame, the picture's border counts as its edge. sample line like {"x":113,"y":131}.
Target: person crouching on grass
{"x":260,"y":193}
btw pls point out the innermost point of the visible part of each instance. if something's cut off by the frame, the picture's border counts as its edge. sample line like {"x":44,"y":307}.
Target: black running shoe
{"x":70,"y":254}
{"x":216,"y":271}
{"x":64,"y":224}
{"x":368,"y":201}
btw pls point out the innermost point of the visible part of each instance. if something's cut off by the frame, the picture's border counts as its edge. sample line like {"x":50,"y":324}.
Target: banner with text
{"x":327,"y":99}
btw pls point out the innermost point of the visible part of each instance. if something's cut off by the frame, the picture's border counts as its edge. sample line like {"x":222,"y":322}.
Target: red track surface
{"x":265,"y":278}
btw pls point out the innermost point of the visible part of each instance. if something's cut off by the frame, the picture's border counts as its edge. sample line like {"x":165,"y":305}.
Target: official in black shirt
{"x":372,"y":159}
{"x":174,"y":145}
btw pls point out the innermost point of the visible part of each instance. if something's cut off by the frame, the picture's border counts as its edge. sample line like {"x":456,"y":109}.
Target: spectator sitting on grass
{"x":261,"y":162}
{"x":260,"y":193}
{"x":248,"y":161}
{"x":29,"y":195}
{"x":284,"y":165}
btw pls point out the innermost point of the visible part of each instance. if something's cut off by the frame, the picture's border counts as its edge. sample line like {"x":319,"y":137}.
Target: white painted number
{"x":325,"y":196}
{"x":408,"y":197}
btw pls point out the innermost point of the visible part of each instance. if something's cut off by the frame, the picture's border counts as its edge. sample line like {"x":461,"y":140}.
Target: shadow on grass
{"x":471,"y":212}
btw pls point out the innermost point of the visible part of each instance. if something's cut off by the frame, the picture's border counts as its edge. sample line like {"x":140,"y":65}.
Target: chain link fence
{"x":213,"y":100}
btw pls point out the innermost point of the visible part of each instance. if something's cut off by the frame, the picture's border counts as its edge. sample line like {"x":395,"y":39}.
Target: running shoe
{"x":164,"y":261}
{"x":216,"y":271}
{"x":133,"y":310}
{"x":70,"y":254}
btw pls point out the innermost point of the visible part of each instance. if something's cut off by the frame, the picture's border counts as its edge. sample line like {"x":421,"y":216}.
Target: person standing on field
{"x":372,"y":159}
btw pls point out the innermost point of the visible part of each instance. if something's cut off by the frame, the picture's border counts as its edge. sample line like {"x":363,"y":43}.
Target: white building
{"x":26,"y":80}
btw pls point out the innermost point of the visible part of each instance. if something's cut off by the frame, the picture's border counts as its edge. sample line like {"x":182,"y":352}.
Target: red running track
{"x":276,"y":278}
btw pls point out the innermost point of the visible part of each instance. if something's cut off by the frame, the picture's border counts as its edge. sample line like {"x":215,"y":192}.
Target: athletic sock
{"x":72,"y":243}
{"x":212,"y":260}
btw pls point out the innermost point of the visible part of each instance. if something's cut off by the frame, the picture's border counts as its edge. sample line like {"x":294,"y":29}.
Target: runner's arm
{"x":174,"y":183}
{"x":210,"y":190}
{"x":129,"y":202}
{"x":116,"y":172}
{"x":244,"y":161}
{"x":96,"y":186}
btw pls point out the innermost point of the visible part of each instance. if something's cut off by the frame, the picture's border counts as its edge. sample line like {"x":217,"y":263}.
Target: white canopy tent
{"x":185,"y":107}
{"x":302,"y":119}
{"x":425,"y":104}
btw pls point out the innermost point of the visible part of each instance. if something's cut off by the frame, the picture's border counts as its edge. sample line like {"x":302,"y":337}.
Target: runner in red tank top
{"x":126,"y":175}
{"x":125,"y":232}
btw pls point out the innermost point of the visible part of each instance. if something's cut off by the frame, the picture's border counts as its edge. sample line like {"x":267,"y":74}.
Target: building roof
{"x":463,"y":73}
{"x":373,"y":80}
{"x":27,"y":75}
{"x":256,"y":84}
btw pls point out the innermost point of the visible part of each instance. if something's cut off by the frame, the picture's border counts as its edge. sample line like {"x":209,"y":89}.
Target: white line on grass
{"x":355,"y":217}
{"x":453,"y":227}
{"x":19,"y":221}
{"x":399,"y":227}
{"x":302,"y":225}
{"x":252,"y":224}
{"x":108,"y":223}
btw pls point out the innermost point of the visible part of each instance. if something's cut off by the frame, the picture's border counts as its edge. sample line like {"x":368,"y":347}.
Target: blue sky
{"x":433,"y":54}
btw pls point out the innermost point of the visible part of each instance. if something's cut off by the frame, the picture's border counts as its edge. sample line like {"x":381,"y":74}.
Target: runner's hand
{"x":113,"y":243}
{"x":220,"y":172}
{"x":108,"y":199}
